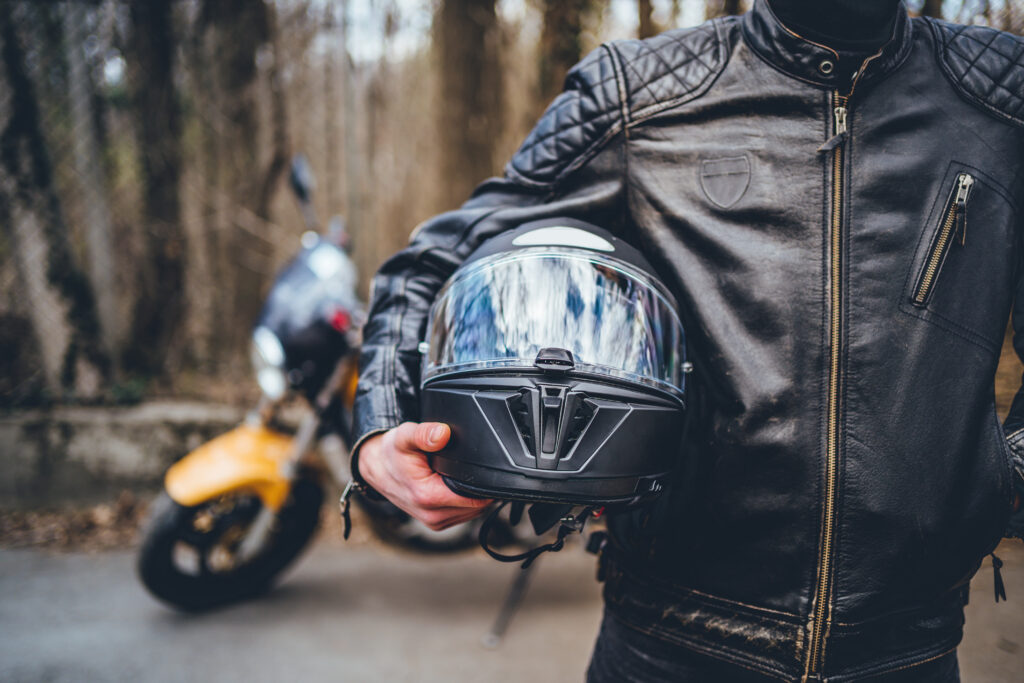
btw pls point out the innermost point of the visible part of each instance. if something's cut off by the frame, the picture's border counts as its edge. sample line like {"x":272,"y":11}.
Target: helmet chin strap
{"x":569,"y":523}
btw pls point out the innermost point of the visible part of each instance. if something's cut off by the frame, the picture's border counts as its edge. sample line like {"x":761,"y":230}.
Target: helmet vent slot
{"x":520,"y":409}
{"x":581,"y":418}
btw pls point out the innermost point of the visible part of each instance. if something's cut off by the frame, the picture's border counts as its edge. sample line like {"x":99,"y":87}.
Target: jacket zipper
{"x":954,"y":223}
{"x":822,"y":597}
{"x":822,"y":618}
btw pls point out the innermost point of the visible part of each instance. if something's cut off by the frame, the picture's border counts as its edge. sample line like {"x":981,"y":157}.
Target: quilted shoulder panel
{"x":616,"y":85}
{"x":985,"y":64}
{"x":575,"y":124}
{"x":673,"y":67}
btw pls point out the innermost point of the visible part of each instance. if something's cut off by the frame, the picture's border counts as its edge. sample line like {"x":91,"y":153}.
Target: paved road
{"x":361,"y":613}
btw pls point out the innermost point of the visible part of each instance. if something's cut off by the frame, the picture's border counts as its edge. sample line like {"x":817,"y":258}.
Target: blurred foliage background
{"x":144,"y":147}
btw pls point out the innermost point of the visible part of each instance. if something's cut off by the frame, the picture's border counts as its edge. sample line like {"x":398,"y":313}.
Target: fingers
{"x":433,"y":494}
{"x":396,"y":465}
{"x":427,"y":437}
{"x":446,"y":517}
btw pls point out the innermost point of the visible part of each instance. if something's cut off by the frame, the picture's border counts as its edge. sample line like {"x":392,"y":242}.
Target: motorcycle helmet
{"x":557,"y":357}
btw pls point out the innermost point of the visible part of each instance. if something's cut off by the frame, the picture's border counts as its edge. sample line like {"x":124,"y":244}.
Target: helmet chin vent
{"x":520,"y":407}
{"x":581,"y":418}
{"x":550,"y":420}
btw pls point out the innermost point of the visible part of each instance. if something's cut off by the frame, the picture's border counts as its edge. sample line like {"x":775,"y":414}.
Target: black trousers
{"x":625,"y":655}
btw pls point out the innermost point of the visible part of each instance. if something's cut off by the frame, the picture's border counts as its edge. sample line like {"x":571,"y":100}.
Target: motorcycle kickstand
{"x":513,"y":599}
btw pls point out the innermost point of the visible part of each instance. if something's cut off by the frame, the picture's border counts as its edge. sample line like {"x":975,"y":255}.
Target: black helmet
{"x":558,"y":359}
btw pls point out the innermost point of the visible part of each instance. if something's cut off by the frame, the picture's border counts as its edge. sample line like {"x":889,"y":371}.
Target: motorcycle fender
{"x":248,"y":458}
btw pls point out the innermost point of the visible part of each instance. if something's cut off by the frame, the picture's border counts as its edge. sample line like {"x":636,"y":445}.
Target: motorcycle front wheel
{"x":394,"y":526}
{"x":197,"y":558}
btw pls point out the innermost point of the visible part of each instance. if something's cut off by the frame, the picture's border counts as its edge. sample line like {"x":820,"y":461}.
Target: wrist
{"x":359,"y":481}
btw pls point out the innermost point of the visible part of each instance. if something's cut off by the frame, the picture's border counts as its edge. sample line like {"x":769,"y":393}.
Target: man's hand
{"x":395,"y":464}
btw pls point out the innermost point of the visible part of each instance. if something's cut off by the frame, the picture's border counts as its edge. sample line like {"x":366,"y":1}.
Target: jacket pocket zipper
{"x":954,"y":224}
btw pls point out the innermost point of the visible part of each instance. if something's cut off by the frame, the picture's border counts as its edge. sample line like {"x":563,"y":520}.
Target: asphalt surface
{"x":361,"y":613}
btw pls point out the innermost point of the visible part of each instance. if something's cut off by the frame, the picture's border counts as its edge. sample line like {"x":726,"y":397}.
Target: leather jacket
{"x":845,"y":256}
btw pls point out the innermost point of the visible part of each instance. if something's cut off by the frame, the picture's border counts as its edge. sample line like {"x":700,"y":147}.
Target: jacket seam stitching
{"x":956,"y":329}
{"x":588,"y":154}
{"x":518,"y":177}
{"x":848,"y":628}
{"x":716,"y":602}
{"x":923,"y":661}
{"x":620,"y":85}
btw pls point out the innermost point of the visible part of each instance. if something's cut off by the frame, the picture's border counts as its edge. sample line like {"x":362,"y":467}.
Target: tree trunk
{"x":722,"y":8}
{"x":233,"y":32}
{"x":560,"y":43}
{"x":87,"y":161}
{"x":58,"y":297}
{"x":350,"y":120}
{"x":647,"y":27}
{"x":470,"y":118}
{"x":160,"y":306}
{"x":281,"y":149}
{"x":932,"y":8}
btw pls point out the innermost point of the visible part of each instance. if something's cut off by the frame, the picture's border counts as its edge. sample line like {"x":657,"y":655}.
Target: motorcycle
{"x":235,"y":512}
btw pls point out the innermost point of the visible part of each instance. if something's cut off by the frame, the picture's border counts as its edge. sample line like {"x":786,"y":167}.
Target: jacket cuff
{"x":361,"y":484}
{"x":1015,"y":441}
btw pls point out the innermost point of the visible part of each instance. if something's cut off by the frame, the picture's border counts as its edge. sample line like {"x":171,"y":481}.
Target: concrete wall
{"x":77,"y":455}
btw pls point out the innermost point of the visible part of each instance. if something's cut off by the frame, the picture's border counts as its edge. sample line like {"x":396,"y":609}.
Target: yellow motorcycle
{"x":239,"y":509}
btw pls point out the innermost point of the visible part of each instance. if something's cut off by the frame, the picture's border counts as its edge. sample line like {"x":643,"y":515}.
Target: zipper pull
{"x":963,"y":188}
{"x":840,"y":114}
{"x":997,"y":578}
{"x":840,"y":137}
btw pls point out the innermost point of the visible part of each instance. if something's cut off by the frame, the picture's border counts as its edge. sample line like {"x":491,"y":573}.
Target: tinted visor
{"x":498,"y":312}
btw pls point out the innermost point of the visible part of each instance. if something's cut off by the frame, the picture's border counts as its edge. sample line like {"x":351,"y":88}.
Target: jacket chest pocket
{"x":962,"y":274}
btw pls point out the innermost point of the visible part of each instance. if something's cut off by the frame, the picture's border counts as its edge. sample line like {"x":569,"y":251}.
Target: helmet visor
{"x":500,"y":311}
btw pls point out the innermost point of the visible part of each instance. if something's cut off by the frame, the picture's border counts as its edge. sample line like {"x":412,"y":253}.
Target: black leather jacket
{"x":844,"y":318}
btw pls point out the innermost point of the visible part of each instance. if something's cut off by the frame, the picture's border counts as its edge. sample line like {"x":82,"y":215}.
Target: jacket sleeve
{"x":572,"y":164}
{"x":1014,"y":423}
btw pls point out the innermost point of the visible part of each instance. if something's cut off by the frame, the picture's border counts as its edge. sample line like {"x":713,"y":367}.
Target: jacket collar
{"x":811,"y":62}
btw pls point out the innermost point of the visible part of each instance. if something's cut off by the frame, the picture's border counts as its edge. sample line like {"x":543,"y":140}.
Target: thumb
{"x":426,"y":436}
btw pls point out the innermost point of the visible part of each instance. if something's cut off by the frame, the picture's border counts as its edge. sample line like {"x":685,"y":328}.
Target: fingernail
{"x":436,"y":434}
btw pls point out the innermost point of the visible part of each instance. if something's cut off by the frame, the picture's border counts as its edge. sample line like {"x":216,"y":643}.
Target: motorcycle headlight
{"x":268,"y":361}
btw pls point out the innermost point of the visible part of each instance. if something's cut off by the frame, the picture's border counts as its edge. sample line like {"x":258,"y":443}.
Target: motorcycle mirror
{"x":337,"y":232}
{"x":301,"y":178}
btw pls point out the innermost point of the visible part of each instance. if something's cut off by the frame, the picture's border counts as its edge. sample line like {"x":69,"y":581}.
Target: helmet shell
{"x":556,"y":356}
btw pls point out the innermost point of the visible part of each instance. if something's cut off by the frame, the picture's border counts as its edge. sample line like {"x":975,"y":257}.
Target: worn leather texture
{"x":701,"y":148}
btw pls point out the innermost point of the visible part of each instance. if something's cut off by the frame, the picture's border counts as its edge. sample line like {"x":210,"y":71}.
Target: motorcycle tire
{"x":397,"y":528}
{"x":195,"y":589}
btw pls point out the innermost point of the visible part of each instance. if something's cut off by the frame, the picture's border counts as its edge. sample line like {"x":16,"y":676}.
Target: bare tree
{"x":232,"y":34}
{"x":646,"y":26}
{"x":160,"y":305}
{"x":96,"y":221}
{"x":466,"y":37}
{"x":561,"y":42}
{"x":721,"y":8}
{"x":353,"y":157}
{"x":271,"y":173}
{"x":932,"y":8}
{"x":60,"y":304}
